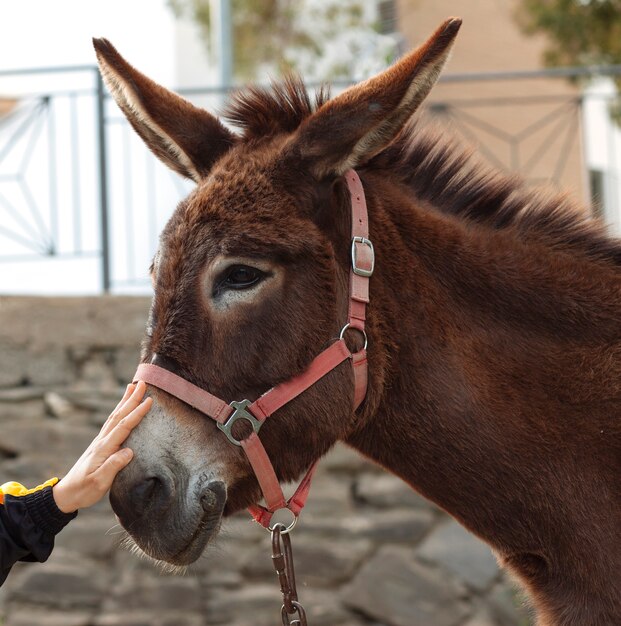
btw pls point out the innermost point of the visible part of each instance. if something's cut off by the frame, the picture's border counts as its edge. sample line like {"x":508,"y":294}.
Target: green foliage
{"x":580,"y":32}
{"x":280,"y":35}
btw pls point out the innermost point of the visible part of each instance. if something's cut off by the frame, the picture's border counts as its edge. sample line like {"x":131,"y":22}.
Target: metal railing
{"x":53,"y":180}
{"x":76,"y":183}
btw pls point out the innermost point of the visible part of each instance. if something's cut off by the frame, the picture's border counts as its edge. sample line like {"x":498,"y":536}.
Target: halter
{"x":255,"y":413}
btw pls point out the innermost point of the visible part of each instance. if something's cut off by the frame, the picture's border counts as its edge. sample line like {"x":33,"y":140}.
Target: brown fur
{"x":494,"y":330}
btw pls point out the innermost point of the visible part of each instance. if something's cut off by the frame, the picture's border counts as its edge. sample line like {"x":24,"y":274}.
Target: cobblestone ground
{"x":368,"y":550}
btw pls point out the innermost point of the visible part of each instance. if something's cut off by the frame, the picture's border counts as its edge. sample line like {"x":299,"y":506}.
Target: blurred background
{"x":532,"y":85}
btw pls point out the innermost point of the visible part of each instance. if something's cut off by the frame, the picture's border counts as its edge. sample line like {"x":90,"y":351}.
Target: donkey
{"x":494,"y":327}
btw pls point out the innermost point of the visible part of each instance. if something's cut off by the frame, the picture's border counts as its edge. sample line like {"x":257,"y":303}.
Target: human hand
{"x":92,"y":475}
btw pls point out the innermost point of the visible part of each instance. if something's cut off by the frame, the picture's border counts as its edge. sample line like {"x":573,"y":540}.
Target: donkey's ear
{"x":184,"y":137}
{"x":364,"y":119}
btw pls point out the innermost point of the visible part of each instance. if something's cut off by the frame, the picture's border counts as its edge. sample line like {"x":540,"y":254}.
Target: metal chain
{"x":292,"y":612}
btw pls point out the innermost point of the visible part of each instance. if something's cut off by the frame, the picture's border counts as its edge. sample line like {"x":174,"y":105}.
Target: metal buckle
{"x":359,"y":270}
{"x":360,"y":330}
{"x":240,"y":413}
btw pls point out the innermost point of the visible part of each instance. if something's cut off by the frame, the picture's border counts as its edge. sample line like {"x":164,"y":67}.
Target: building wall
{"x":541,"y":139}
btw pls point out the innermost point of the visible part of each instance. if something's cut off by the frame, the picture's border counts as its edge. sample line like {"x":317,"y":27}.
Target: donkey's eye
{"x":239,"y":277}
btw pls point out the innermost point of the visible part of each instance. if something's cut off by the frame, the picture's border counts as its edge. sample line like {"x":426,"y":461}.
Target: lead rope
{"x":292,"y":612}
{"x":363,"y":261}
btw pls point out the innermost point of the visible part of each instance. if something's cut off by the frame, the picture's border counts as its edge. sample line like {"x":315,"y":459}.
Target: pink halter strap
{"x":225,"y":415}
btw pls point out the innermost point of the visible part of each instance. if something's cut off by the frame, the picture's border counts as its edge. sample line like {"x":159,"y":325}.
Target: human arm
{"x":31,"y":518}
{"x":29,"y":521}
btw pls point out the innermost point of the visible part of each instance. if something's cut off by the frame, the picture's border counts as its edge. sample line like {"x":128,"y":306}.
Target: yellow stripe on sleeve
{"x":17,"y":489}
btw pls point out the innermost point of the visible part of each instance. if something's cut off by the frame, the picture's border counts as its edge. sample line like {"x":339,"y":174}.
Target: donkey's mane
{"x":261,"y":111}
{"x":440,"y":173}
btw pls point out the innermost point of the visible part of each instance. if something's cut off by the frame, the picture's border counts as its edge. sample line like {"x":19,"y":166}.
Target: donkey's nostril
{"x":151,"y":493}
{"x":144,"y":490}
{"x":209,"y":500}
{"x":214,"y":497}
{"x":143,"y":493}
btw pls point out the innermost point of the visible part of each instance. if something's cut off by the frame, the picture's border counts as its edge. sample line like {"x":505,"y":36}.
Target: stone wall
{"x":367,"y":549}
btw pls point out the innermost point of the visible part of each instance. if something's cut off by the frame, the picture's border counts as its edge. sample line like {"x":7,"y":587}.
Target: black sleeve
{"x":28,"y":526}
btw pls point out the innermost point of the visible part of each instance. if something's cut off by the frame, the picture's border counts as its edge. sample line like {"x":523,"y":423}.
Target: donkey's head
{"x":250,"y":282}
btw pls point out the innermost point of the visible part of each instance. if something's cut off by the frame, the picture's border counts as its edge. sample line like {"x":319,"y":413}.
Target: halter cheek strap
{"x":255,"y":413}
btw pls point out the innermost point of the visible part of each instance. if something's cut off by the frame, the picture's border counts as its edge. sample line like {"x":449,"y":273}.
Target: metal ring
{"x":284,"y":530}
{"x":360,"y":330}
{"x":298,"y":608}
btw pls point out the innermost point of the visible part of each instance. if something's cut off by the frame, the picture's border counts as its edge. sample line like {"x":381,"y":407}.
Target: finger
{"x":128,"y":392}
{"x":109,"y":443}
{"x":111,"y":467}
{"x":134,"y":399}
{"x":125,"y":407}
{"x":121,"y":429}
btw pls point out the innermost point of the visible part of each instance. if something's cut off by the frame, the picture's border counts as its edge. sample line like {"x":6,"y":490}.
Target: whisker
{"x":118,"y":532}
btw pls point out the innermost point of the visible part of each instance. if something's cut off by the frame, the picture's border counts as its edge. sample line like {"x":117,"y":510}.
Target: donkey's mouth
{"x":206,"y":529}
{"x":212,"y":501}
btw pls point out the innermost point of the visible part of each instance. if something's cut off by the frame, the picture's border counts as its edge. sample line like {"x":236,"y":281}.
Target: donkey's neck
{"x":499,"y":384}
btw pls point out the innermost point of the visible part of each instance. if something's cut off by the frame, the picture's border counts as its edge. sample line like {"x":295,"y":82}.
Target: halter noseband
{"x":255,"y":413}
